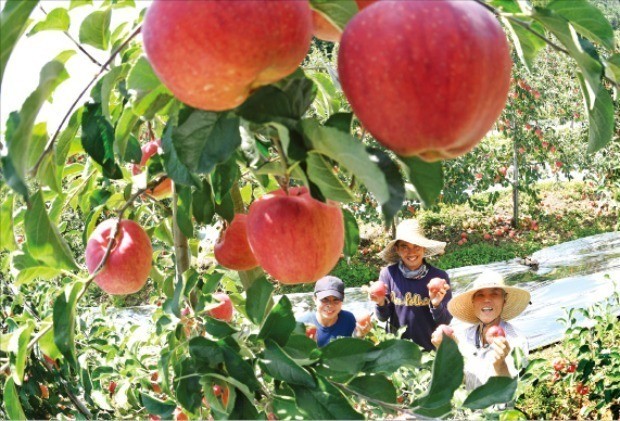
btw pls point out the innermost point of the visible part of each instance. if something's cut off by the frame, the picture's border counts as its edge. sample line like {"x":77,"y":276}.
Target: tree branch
{"x":50,"y":144}
{"x":77,"y":44}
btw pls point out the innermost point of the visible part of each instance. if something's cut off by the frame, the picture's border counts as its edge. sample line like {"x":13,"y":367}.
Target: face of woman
{"x":328,"y":309}
{"x":488,"y":304}
{"x":412,"y":255}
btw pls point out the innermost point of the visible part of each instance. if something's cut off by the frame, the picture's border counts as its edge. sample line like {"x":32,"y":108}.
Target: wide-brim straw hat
{"x":462,"y":306}
{"x":411,"y":232}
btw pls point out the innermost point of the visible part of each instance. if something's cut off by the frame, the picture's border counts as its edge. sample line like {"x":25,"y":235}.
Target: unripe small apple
{"x":233,"y":249}
{"x":493,"y":332}
{"x":164,"y":189}
{"x":129,"y":263}
{"x":224,"y":311}
{"x":435,"y":285}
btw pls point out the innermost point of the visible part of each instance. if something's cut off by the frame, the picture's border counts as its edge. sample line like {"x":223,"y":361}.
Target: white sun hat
{"x":462,"y":306}
{"x":410,"y":231}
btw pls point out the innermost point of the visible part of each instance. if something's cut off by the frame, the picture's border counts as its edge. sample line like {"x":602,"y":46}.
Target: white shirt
{"x":479,"y":361}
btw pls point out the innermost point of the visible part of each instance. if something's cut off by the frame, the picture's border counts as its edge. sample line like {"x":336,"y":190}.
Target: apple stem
{"x":282,"y":181}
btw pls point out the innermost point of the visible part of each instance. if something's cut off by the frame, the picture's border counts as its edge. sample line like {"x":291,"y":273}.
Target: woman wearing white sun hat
{"x":487,"y":304}
{"x":409,"y":302}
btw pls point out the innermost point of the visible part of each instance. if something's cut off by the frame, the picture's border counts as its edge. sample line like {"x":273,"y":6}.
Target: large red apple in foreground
{"x":294,"y":237}
{"x":426,"y":78}
{"x":164,"y":189}
{"x":233,"y":249}
{"x":224,"y":311}
{"x":213,"y":54}
{"x":129,"y":263}
{"x":325,"y":30}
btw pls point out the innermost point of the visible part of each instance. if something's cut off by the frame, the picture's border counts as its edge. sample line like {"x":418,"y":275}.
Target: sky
{"x":30,"y":54}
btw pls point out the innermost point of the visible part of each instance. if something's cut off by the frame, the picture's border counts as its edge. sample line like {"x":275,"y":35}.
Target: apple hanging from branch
{"x":213,"y":56}
{"x":294,"y":237}
{"x":164,"y":189}
{"x":233,"y":249}
{"x":426,"y":78}
{"x":129,"y":263}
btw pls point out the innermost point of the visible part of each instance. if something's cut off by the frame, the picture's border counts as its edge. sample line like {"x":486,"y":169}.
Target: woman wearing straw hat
{"x":408,"y":301}
{"x":488,"y":303}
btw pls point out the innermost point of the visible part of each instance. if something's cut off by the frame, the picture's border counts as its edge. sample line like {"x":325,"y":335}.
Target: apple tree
{"x":205,"y":111}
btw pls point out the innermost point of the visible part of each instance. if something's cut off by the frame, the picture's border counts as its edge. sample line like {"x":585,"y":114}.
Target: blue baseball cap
{"x":329,"y":286}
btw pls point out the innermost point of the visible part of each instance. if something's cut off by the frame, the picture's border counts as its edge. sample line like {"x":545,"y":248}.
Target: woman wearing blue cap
{"x":330,"y":319}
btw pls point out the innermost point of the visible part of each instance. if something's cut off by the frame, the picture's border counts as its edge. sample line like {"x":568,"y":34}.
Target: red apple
{"x":400,"y":60}
{"x":487,"y":236}
{"x":558,"y":364}
{"x":363,"y":319}
{"x":224,"y":311}
{"x":325,"y":30}
{"x":294,"y":237}
{"x":493,"y":332}
{"x":233,"y":249}
{"x":311,"y":331}
{"x":378,"y":289}
{"x":179,"y":415}
{"x":129,"y":263}
{"x":164,"y":189}
{"x":112,"y":387}
{"x":45,"y":392}
{"x":213,"y":54}
{"x":436,"y":284}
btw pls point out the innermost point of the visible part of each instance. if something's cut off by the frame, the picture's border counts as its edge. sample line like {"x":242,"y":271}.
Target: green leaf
{"x":20,"y":141}
{"x":12,"y":404}
{"x":79,"y":3}
{"x":336,"y":12}
{"x":240,"y":369}
{"x":302,"y":349}
{"x":206,"y":139}
{"x":218,"y":328}
{"x":98,"y":140}
{"x":44,"y":241}
{"x":258,"y":299}
{"x":279,"y":323}
{"x":600,"y":118}
{"x":280,"y":366}
{"x":188,"y":390}
{"x":394,"y":180}
{"x":184,"y":210}
{"x":375,"y":387}
{"x":122,"y":132}
{"x":163,"y":409}
{"x":13,"y":23}
{"x":203,"y":208}
{"x":223,"y":178}
{"x":284,"y":103}
{"x":495,"y":390}
{"x":205,"y":351}
{"x":321,"y":174}
{"x":151,"y":95}
{"x":347,"y":355}
{"x":108,"y":82}
{"x":64,"y":321}
{"x":57,"y":19}
{"x":67,"y":136}
{"x":173,"y":166}
{"x":447,"y":375}
{"x":526,"y":43}
{"x":47,"y":344}
{"x":226,"y":209}
{"x":587,"y":20}
{"x":7,"y":236}
{"x":29,"y":269}
{"x":390,"y":355}
{"x":590,"y":67}
{"x":612,"y":67}
{"x":426,"y":177}
{"x":95,"y":29}
{"x":349,"y":152}
{"x":18,"y":351}
{"x":13,"y":179}
{"x":324,"y":402}
{"x":351,"y":234}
